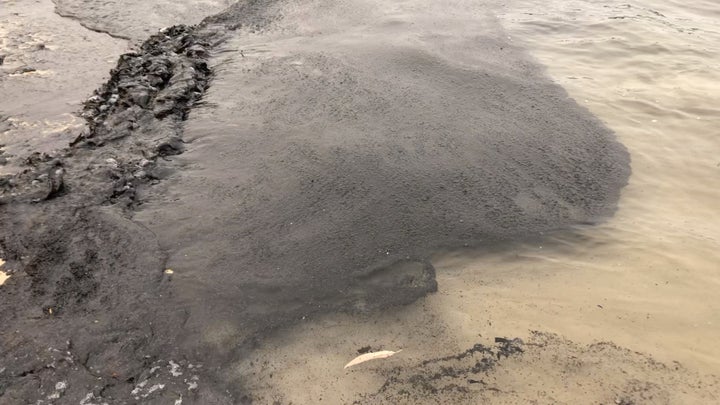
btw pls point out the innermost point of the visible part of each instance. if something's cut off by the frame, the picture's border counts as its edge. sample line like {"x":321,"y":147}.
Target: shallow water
{"x":340,"y":145}
{"x":646,"y":279}
{"x":135,"y":20}
{"x":650,"y":71}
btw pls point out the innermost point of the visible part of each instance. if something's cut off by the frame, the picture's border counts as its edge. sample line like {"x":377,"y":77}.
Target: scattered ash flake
{"x":59,"y":389}
{"x":89,"y":397}
{"x":174,"y":369}
{"x":154,"y":388}
{"x":139,"y":387}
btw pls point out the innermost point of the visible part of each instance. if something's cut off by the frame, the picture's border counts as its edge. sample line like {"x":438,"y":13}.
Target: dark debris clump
{"x":162,"y":80}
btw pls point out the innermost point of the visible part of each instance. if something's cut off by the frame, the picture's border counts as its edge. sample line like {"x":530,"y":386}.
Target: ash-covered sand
{"x":285,"y":160}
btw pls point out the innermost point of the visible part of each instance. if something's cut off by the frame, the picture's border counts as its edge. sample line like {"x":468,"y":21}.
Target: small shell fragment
{"x":383,"y":354}
{"x":169,"y":271}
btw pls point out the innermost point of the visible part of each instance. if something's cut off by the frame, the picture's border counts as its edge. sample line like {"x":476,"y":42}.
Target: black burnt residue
{"x":159,"y":82}
{"x":461,"y":373}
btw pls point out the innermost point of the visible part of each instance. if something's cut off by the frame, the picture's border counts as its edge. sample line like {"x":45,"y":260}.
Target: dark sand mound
{"x":319,"y":175}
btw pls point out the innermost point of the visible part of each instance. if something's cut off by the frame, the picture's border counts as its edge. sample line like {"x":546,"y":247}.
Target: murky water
{"x":649,"y":70}
{"x":135,"y":20}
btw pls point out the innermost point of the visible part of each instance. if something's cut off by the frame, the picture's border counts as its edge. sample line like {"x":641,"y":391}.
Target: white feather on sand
{"x":383,"y":354}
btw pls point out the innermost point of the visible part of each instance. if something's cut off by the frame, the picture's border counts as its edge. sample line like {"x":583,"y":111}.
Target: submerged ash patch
{"x":329,"y":180}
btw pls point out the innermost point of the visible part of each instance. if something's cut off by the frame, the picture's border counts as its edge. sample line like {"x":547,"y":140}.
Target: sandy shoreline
{"x":297,"y":175}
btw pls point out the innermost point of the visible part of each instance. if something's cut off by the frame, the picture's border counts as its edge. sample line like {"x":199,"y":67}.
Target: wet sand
{"x":290,"y":199}
{"x":135,"y":20}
